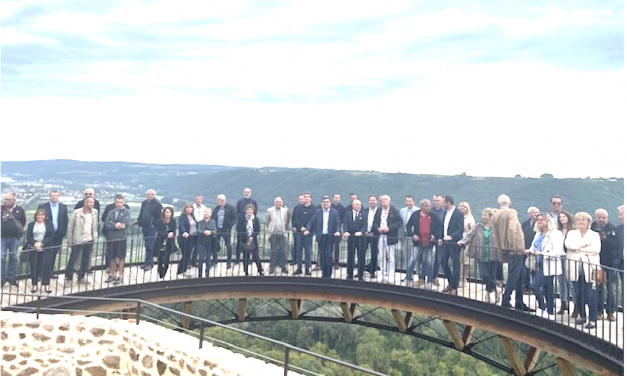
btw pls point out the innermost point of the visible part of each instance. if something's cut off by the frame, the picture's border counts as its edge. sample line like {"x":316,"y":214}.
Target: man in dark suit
{"x":57,"y":214}
{"x":226,"y":217}
{"x":529,"y":232}
{"x":453,"y":229}
{"x":355,"y":224}
{"x":325,"y":224}
{"x":387,"y":223}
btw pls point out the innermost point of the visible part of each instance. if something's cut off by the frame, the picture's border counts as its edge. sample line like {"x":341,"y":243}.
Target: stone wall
{"x":65,"y":345}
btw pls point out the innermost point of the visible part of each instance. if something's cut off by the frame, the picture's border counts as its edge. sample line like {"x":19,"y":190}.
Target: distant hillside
{"x":185,"y":181}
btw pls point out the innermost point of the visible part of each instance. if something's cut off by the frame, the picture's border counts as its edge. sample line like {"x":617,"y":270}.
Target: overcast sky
{"x":486,"y":88}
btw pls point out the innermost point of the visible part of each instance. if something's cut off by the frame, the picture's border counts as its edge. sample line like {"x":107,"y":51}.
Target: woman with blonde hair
{"x":464,"y":258}
{"x":547,"y":247}
{"x":482,"y":247}
{"x":583,"y":247}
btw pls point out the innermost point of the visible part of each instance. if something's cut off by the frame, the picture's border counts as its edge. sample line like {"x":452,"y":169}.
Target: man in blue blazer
{"x":325,"y":224}
{"x":453,"y":228}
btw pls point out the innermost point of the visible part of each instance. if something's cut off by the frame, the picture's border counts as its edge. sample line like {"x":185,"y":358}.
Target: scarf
{"x":249,"y":225}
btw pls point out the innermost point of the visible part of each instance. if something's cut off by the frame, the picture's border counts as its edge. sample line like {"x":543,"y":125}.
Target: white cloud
{"x":9,"y":36}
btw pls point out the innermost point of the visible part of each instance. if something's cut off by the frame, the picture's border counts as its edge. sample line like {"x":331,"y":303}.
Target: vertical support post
{"x":241,"y":312}
{"x":201,"y":334}
{"x":286,"y":361}
{"x":187,"y":308}
{"x":138,"y":312}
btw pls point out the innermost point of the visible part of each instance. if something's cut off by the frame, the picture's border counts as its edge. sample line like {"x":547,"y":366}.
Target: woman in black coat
{"x":165,"y":242}
{"x":41,"y":258}
{"x":247,"y":233}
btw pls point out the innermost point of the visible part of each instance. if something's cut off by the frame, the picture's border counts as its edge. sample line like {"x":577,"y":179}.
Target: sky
{"x":485,"y":88}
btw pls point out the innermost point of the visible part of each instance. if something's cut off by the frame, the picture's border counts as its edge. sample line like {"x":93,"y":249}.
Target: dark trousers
{"x":40,"y":265}
{"x":355,"y":243}
{"x":84,"y":251}
{"x":608,"y":290}
{"x":515,"y":275}
{"x":278,"y":251}
{"x":229,"y":248}
{"x":373,"y":243}
{"x":163,"y":254}
{"x":488,"y":274}
{"x":437,"y":261}
{"x":246,"y":253}
{"x":186,"y":252}
{"x":325,"y":248}
{"x":544,"y":290}
{"x":586,"y":295}
{"x":451,"y":251}
{"x":206,"y":252}
{"x":150,"y":234}
{"x":303,"y":241}
{"x":336,"y":250}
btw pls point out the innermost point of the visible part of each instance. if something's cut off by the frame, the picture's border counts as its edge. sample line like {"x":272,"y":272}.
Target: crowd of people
{"x":579,"y":254}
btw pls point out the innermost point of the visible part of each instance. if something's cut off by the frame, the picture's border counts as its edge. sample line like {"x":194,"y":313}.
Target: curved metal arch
{"x":564,"y":342}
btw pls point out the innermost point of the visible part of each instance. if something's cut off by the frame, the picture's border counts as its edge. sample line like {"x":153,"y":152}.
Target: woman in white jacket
{"x":547,"y":246}
{"x":583,"y":247}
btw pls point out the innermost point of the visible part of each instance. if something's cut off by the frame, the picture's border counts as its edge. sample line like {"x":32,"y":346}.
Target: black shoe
{"x":261,"y":273}
{"x":307,"y":272}
{"x":271,"y":271}
{"x":111,"y":278}
{"x":590,"y":325}
{"x":284,"y":270}
{"x":292,"y":262}
{"x":298,"y":272}
{"x":523,"y":307}
{"x":228,"y":266}
{"x":13,"y":283}
{"x":195,"y":264}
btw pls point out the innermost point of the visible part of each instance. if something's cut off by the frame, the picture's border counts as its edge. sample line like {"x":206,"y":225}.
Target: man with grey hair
{"x":387,"y":223}
{"x":13,"y":225}
{"x":149,"y":216}
{"x":226,"y":217}
{"x":277,"y":226}
{"x":610,"y":261}
{"x":529,"y":233}
{"x":511,"y":241}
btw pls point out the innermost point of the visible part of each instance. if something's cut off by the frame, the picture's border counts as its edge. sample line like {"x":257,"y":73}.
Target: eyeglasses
{"x":556,"y":203}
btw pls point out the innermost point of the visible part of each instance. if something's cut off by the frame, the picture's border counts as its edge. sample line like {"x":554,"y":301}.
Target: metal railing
{"x":139,"y":314}
{"x":433,"y":258}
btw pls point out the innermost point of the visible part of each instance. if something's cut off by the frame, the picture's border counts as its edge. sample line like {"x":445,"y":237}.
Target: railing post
{"x":137,"y":314}
{"x":202,"y":334}
{"x":38,"y":306}
{"x":286,"y":361}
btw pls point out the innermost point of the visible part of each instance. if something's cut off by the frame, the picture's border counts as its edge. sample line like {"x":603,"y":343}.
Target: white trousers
{"x":386,"y":260}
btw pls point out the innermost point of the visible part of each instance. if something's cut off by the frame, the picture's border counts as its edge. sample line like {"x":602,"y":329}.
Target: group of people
{"x":580,"y":254}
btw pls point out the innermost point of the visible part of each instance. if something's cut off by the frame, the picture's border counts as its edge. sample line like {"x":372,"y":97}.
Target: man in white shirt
{"x":199,"y":214}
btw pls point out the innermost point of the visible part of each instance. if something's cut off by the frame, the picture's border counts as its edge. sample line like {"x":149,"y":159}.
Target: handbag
{"x":601,"y":276}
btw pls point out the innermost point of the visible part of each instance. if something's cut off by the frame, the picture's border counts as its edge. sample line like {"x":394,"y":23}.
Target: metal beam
{"x":512,"y":355}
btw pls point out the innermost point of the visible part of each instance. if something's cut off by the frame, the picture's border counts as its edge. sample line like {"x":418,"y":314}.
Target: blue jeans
{"x":303,"y":241}
{"x":544,"y":289}
{"x":610,"y":286}
{"x":9,"y":248}
{"x":150,"y":233}
{"x":426,"y":267}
